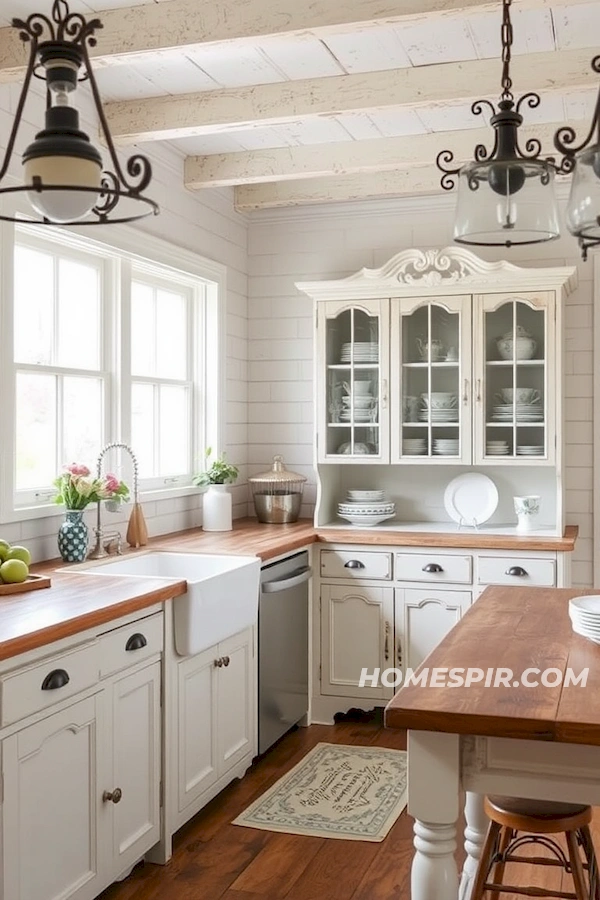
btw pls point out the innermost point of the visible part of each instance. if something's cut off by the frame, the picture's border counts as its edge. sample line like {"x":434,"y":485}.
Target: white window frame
{"x":126,"y":248}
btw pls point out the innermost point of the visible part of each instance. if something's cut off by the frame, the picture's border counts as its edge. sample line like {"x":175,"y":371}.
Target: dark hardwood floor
{"x":215,"y":860}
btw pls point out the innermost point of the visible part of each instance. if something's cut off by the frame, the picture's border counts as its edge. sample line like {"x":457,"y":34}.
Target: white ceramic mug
{"x":527,"y":509}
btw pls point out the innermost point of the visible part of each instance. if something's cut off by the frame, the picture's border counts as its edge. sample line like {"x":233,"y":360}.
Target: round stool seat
{"x":537,"y":816}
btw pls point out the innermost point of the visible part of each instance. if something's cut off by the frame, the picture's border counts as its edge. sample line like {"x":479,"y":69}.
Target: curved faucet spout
{"x":100,"y":551}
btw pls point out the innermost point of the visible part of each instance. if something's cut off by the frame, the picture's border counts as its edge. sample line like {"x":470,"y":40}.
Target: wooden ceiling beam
{"x":350,"y":157}
{"x":185,"y":25}
{"x":240,"y":109}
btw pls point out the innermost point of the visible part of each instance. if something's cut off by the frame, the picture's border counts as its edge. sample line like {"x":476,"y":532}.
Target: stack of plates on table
{"x":364,"y":351}
{"x":366,"y":508}
{"x":445,"y":446}
{"x":584,"y":613}
{"x":497,"y":448}
{"x":530,"y":449}
{"x":438,"y":416}
{"x":414,"y":446}
{"x":524,"y":412}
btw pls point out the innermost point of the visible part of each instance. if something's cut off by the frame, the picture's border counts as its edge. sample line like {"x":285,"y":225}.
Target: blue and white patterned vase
{"x":73,"y":537}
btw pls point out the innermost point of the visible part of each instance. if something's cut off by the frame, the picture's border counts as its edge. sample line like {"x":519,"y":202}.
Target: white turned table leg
{"x":433,"y":800}
{"x":475,"y":832}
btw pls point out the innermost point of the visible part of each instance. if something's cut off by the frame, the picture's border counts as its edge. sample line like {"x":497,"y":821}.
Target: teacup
{"x":521,"y":395}
{"x":359,"y":388}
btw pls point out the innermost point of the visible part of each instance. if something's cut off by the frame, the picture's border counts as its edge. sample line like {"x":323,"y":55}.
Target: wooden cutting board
{"x":32,"y":583}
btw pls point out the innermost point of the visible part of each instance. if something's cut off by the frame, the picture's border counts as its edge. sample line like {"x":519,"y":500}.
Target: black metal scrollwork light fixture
{"x":583,"y":207}
{"x":63,"y":175}
{"x":506,"y":196}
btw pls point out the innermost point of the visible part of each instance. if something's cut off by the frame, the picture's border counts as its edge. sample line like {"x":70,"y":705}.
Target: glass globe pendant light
{"x":506,"y":196}
{"x":63,"y":175}
{"x":583,"y":207}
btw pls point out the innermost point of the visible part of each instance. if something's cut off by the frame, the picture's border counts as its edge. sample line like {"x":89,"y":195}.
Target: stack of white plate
{"x":530,"y":449}
{"x":414,"y":446}
{"x":364,"y":351}
{"x":360,"y":416}
{"x":366,"y":508}
{"x":438,"y":416}
{"x":524,"y":412}
{"x":584,"y":613}
{"x":497,"y":448}
{"x":445,"y":446}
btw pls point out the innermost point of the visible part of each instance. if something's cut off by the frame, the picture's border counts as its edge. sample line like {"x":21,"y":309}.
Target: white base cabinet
{"x":81,"y":775}
{"x":389,"y":608}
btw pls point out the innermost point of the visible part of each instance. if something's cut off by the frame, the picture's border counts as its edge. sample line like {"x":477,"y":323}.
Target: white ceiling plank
{"x":376,"y":50}
{"x":575,"y":24}
{"x":235,"y":66}
{"x":208,"y":144}
{"x":533,"y":32}
{"x":360,"y":126}
{"x":304,"y":57}
{"x":410,"y":89}
{"x":125,"y":82}
{"x":173,"y":76}
{"x":357,"y":157}
{"x":428,"y":43}
{"x":315,"y":131}
{"x":422,"y":180}
{"x":177,"y":24}
{"x":396,"y":122}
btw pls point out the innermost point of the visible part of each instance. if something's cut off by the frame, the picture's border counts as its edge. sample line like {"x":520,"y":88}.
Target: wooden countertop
{"x":76,"y":602}
{"x":515,"y":628}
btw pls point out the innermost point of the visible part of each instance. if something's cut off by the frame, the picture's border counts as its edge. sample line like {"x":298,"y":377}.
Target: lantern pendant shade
{"x":505,"y":203}
{"x":583,"y":208}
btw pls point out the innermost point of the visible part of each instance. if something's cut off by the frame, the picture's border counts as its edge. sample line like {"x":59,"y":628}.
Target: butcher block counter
{"x":76,"y":602}
{"x":540,"y":742}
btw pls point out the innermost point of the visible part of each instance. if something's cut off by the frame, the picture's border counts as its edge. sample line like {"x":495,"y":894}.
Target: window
{"x":99,"y":344}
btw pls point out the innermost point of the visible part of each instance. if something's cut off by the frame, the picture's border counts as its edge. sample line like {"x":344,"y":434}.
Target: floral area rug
{"x":336,"y":791}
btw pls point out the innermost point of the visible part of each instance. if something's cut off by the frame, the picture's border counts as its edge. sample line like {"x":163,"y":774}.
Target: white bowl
{"x":358,"y":402}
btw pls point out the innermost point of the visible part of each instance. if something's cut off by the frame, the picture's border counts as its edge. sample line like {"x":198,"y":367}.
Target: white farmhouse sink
{"x":221,"y":599}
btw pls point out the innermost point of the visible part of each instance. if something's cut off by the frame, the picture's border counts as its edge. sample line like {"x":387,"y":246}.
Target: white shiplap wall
{"x":334,"y":241}
{"x":207,"y":224}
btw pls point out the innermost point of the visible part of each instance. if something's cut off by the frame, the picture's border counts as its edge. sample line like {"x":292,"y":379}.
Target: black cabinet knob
{"x":112,"y":796}
{"x":57,"y":678}
{"x":136,"y":642}
{"x":519,"y":571}
{"x":354,"y":564}
{"x":432,"y":567}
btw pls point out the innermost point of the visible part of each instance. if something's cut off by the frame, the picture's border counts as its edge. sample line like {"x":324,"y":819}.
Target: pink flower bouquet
{"x":76,"y":488}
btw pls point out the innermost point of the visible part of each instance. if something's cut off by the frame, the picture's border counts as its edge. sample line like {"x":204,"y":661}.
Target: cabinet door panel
{"x":236,"y":701}
{"x":357,"y":632}
{"x":51,"y":795}
{"x":197,"y":726}
{"x":423,"y":618}
{"x":136,"y":765}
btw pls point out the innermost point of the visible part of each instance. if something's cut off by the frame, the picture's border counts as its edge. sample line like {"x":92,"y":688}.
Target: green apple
{"x":4,"y":548}
{"x":14,"y":571}
{"x":21,"y":553}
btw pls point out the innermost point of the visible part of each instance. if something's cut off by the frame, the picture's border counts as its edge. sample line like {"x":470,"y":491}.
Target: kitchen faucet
{"x":104,"y":539}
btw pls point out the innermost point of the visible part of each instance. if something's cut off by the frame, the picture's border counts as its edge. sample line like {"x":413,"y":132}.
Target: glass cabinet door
{"x":515,"y":410}
{"x":431,"y":380}
{"x":353,"y":393}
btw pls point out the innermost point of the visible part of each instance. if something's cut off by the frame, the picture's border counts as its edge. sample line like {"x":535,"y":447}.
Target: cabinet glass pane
{"x":431,"y":379}
{"x":515,"y":378}
{"x":353,"y":383}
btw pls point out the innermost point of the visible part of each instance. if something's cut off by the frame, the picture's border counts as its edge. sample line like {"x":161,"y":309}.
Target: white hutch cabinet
{"x":434,"y":365}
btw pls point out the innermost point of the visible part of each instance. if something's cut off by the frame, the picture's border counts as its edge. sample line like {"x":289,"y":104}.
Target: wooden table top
{"x":517,"y":628}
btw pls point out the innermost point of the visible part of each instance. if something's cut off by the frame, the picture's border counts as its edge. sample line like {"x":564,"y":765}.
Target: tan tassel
{"x":137,"y":533}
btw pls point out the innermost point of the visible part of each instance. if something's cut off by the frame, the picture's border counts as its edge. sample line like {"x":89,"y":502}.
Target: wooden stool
{"x":538,"y":819}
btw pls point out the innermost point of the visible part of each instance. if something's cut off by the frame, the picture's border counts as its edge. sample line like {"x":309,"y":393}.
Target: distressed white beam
{"x":349,"y":158}
{"x":179,"y":25}
{"x":239,"y":109}
{"x":421,"y":180}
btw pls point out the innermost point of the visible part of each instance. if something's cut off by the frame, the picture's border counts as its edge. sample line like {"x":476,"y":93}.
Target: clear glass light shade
{"x":504,"y":203}
{"x":63,"y":206}
{"x":583,"y":208}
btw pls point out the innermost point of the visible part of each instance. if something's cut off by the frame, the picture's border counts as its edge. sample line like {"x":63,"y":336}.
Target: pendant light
{"x":506,"y":196}
{"x":583,"y":207}
{"x":63,"y":175}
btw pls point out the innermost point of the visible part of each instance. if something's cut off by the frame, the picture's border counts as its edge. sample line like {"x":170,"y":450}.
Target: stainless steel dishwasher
{"x":282,"y":647}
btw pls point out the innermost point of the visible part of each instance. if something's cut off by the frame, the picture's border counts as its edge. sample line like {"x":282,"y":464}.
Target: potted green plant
{"x":216,"y":503}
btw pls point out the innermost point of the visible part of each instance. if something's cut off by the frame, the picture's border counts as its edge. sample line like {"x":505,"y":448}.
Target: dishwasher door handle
{"x":297,"y":577}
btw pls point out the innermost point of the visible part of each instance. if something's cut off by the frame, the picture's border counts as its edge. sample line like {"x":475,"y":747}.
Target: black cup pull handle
{"x":354,"y":564}
{"x":57,"y":678}
{"x":519,"y":571}
{"x":432,"y":567}
{"x":136,"y":642}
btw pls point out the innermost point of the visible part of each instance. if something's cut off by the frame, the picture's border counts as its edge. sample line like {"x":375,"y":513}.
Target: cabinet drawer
{"x":511,"y":570}
{"x":356,"y":564}
{"x":433,"y":567}
{"x":131,"y":644}
{"x":36,"y":687}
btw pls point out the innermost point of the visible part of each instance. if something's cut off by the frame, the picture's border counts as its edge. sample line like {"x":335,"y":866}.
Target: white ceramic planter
{"x":527,"y":509}
{"x":216,"y":509}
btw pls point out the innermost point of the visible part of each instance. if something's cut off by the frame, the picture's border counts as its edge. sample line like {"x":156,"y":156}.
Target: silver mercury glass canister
{"x":277,"y":494}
